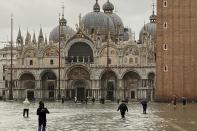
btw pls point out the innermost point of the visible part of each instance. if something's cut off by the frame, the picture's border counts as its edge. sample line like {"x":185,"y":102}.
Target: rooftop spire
{"x":153,"y":17}
{"x":153,"y":7}
{"x":40,"y":34}
{"x":19,"y":32}
{"x":28,"y":38}
{"x":45,"y":41}
{"x":40,"y":37}
{"x":19,"y":37}
{"x":96,"y":7}
{"x":63,"y":9}
{"x":34,"y":38}
{"x":63,"y":21}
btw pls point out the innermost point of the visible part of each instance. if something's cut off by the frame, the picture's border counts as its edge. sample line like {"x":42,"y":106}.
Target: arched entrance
{"x":27,"y":82}
{"x":80,"y":52}
{"x":131,"y":79}
{"x":80,"y":88}
{"x":78,"y":79}
{"x":49,"y":83}
{"x":108,"y":85}
{"x":151,"y":85}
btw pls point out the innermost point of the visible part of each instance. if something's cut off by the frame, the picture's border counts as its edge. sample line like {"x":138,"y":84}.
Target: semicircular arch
{"x":29,"y":52}
{"x":50,"y":51}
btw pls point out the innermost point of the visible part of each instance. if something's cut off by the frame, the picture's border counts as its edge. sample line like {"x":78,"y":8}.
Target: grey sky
{"x":33,"y":13}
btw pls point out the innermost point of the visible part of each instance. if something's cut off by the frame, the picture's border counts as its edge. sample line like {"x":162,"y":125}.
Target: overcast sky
{"x":33,"y":13}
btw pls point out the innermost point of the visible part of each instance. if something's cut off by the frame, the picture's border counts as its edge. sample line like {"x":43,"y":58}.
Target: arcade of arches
{"x":78,"y":83}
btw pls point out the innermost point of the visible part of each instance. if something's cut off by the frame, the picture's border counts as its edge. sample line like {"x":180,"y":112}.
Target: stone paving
{"x":97,"y":117}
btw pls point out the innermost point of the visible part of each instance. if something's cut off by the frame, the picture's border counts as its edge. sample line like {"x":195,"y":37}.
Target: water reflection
{"x":97,"y":117}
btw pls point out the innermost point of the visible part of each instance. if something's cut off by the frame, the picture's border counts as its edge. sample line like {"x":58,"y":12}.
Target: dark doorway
{"x":80,"y":93}
{"x":110,"y":91}
{"x":30,"y":95}
{"x":132,"y":94}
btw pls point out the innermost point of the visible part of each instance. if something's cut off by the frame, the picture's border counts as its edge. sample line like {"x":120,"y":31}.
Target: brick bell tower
{"x":176,"y":49}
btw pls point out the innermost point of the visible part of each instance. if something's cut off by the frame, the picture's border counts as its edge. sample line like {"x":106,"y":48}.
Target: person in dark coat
{"x":41,"y":112}
{"x":184,"y":102}
{"x":93,"y":99}
{"x":118,"y":101}
{"x":174,"y":102}
{"x":62,"y":99}
{"x":123,"y":108}
{"x":86,"y":100}
{"x":144,"y":105}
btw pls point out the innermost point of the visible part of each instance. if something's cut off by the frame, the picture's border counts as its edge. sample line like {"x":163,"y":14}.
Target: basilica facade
{"x":98,"y":59}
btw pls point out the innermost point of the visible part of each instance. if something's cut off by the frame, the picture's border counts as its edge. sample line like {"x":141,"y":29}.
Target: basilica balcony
{"x":79,"y":60}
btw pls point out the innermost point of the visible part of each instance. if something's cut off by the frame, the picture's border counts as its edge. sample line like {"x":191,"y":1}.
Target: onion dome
{"x":54,"y":35}
{"x":108,"y":7}
{"x":97,"y":21}
{"x":149,"y":27}
{"x":117,"y":22}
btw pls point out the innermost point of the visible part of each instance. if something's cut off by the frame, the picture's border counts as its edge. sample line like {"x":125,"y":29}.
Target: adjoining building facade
{"x":5,"y":60}
{"x":176,"y":49}
{"x":99,"y":59}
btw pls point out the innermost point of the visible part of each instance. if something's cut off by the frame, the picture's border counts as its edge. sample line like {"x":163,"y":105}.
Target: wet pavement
{"x":97,"y":117}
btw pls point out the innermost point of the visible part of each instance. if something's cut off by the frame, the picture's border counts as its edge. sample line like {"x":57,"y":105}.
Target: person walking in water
{"x":26,"y":108}
{"x":93,"y":100}
{"x":123,"y":108}
{"x":144,"y":105}
{"x":86,"y":100}
{"x":41,"y":112}
{"x":184,"y":102}
{"x":75,"y":99}
{"x":174,"y":102}
{"x":63,"y":99}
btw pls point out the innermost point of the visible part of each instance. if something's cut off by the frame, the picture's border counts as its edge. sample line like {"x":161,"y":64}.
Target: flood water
{"x":97,"y":117}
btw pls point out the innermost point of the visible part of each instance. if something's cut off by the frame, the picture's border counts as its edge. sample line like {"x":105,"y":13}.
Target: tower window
{"x":165,"y":3}
{"x":165,"y":47}
{"x":51,"y":62}
{"x":165,"y":68}
{"x":31,"y":62}
{"x":165,"y":25}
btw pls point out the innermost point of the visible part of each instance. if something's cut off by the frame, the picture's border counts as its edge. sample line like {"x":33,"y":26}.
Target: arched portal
{"x":27,"y":82}
{"x":151,"y":85}
{"x":49,"y":83}
{"x":108,"y":85}
{"x":131,"y":79}
{"x":78,"y":83}
{"x":80,"y":52}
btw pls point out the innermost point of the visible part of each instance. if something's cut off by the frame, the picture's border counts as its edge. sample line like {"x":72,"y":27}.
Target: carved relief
{"x":78,"y":73}
{"x":131,"y":50}
{"x":51,"y":52}
{"x":30,"y":53}
{"x":112,"y":52}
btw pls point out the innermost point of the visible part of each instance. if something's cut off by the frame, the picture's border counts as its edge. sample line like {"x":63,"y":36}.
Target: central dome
{"x":54,"y":35}
{"x":117,"y":22}
{"x":98,"y":22}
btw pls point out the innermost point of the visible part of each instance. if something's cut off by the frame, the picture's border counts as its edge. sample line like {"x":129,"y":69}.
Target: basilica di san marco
{"x":100,"y":59}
